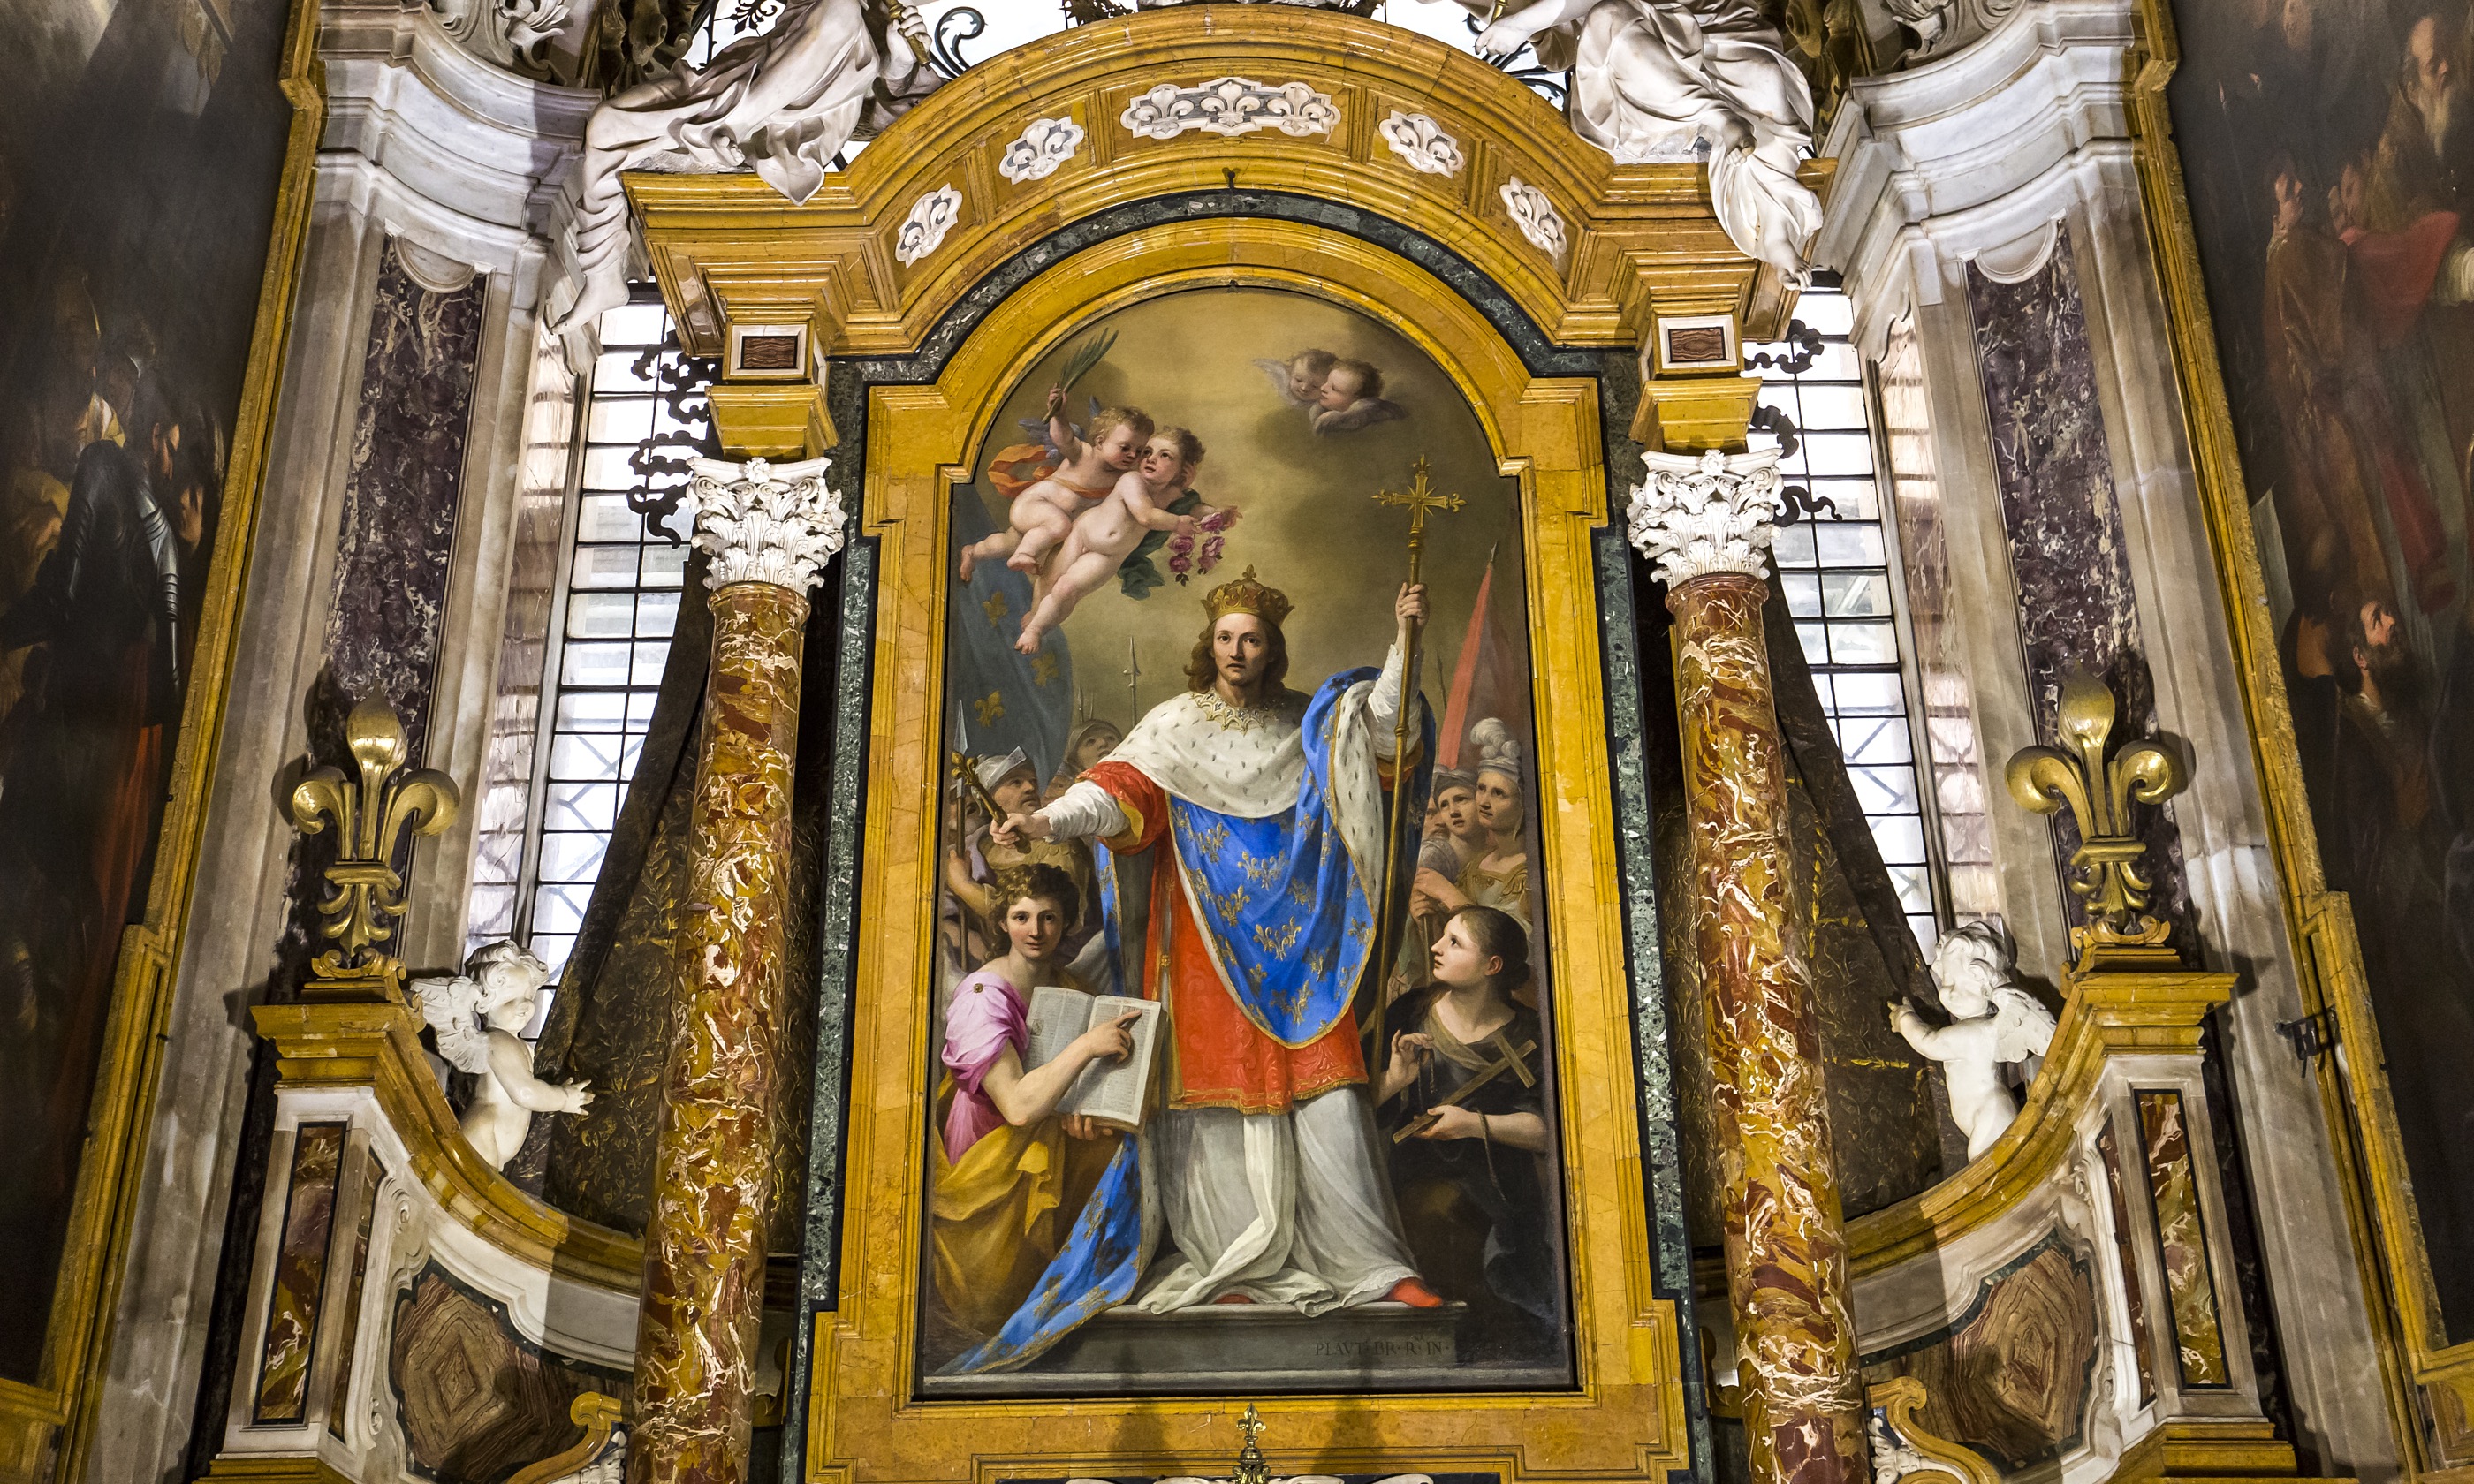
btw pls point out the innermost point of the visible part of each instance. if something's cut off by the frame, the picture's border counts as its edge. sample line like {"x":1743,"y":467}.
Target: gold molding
{"x":2112,"y":1013}
{"x":1681,"y":413}
{"x":598,"y":1415}
{"x":777,"y":420}
{"x":376,"y":1044}
{"x":2220,"y":1453}
{"x":2356,"y":1110}
{"x":61,"y":1412}
{"x":1641,"y":237}
{"x":1898,"y":1400}
{"x":1626,"y":1420}
{"x":274,"y":1468}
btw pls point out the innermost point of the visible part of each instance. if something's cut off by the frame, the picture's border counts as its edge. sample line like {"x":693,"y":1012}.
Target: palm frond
{"x":1089,"y":353}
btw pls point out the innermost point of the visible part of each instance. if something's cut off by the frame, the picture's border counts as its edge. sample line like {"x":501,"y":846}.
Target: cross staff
{"x":1509,"y":1058}
{"x":1419,"y":498}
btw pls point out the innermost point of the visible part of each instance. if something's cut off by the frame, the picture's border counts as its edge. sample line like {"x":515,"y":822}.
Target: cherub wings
{"x":1278,"y":372}
{"x":452,"y":1007}
{"x":2021,"y":1026}
{"x":1364,"y":413}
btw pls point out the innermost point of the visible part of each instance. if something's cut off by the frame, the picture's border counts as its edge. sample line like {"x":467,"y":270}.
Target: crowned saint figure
{"x":1240,"y":831}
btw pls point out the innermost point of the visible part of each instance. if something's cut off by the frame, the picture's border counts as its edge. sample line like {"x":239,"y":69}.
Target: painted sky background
{"x":1310,"y":523}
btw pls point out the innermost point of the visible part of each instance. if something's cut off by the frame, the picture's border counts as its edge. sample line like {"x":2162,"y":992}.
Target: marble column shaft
{"x":1785,"y":1244}
{"x":704,"y":1246}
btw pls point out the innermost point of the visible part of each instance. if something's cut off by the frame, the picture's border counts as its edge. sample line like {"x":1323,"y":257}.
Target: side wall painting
{"x":140,"y":142}
{"x":1202,"y":1108}
{"x":2328,"y":151}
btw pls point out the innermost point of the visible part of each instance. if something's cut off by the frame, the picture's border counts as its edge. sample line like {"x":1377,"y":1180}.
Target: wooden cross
{"x":1511,"y":1059}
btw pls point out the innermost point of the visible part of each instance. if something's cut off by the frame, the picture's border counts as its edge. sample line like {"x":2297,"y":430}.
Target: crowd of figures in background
{"x":2330,"y":149}
{"x":139,"y":151}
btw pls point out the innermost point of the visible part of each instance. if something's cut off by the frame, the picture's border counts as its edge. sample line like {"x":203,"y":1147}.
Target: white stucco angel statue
{"x":1994,"y":1021}
{"x":477,"y":1015}
{"x":1665,"y":80}
{"x":782,"y":104}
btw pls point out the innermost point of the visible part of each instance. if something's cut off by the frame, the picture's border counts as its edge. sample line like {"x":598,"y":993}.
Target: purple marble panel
{"x":393,"y":553}
{"x":2077,"y":605}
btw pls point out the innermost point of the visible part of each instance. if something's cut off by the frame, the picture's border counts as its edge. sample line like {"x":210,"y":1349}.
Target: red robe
{"x":1218,"y":1059}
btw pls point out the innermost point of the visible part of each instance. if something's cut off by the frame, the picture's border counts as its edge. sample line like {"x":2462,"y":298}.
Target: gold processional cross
{"x":1419,"y":498}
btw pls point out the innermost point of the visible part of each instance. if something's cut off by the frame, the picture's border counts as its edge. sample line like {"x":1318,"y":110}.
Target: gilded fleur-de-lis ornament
{"x":371,"y":815}
{"x":2106,"y":871}
{"x":1250,"y":1469}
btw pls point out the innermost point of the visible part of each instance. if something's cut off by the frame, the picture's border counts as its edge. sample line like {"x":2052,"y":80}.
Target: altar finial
{"x":1250,"y":1467}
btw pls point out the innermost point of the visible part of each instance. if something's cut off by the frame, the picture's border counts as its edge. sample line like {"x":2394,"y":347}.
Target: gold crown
{"x":1245,"y":595}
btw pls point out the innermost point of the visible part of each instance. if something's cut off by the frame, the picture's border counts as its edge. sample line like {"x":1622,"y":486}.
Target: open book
{"x":1111,"y":1092}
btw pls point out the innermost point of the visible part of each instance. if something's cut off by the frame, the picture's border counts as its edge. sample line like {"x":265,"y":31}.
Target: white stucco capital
{"x":1717,"y":513}
{"x":765,"y":522}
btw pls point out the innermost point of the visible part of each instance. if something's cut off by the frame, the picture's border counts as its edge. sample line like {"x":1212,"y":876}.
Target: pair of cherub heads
{"x":1336,"y":393}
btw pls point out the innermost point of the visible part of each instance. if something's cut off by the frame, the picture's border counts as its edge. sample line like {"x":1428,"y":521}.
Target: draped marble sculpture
{"x":1671,"y":80}
{"x":782,"y":104}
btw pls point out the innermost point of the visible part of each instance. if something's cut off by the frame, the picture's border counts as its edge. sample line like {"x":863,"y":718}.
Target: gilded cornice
{"x":726,"y":246}
{"x":2108,"y":1015}
{"x":377,"y":1045}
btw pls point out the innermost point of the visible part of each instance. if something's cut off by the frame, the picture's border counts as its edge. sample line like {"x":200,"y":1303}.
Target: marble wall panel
{"x":1952,"y":747}
{"x":391,"y":553}
{"x":2013,"y":1376}
{"x":502,"y":809}
{"x":300,"y":1275}
{"x":2182,"y":1239}
{"x":2077,"y":605}
{"x":477,"y":1401}
{"x":347,"y":1324}
{"x":2126,"y":1253}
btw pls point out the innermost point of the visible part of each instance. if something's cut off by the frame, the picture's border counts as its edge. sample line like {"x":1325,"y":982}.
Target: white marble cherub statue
{"x":1993,"y":1021}
{"x":477,"y":1015}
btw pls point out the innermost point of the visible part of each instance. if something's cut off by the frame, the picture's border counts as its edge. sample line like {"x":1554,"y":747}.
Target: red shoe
{"x":1415,"y":1294}
{"x":1232,"y":1298}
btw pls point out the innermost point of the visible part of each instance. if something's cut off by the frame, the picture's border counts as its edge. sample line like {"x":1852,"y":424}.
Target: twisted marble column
{"x":1706,"y":522}
{"x":769,"y":531}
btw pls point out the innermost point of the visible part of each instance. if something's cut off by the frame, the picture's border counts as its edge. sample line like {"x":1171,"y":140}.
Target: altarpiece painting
{"x":1205,"y":1109}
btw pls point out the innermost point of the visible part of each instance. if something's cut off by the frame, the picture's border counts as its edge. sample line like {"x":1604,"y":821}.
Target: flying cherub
{"x":1109,"y":450}
{"x":1106,"y":533}
{"x":477,"y":1015}
{"x":1351,"y":398}
{"x":1299,"y":379}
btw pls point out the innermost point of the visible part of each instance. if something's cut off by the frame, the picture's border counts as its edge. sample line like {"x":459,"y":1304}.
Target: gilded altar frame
{"x":918,"y":350}
{"x":2435,"y":1431}
{"x":47,"y":1428}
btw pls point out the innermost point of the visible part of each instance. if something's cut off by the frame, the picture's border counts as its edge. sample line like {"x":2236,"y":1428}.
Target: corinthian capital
{"x":1717,"y":513}
{"x":764,"y":522}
